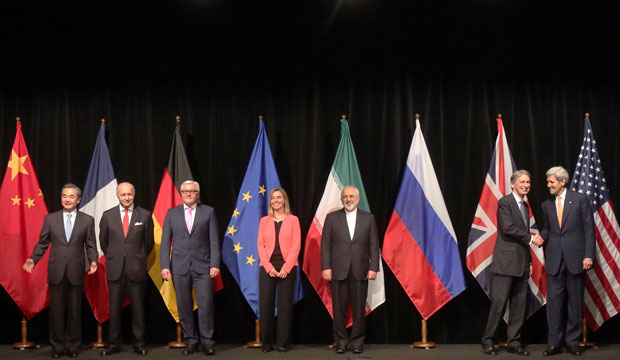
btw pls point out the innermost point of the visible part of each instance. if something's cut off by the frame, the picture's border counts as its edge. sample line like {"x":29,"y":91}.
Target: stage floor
{"x":372,"y":351}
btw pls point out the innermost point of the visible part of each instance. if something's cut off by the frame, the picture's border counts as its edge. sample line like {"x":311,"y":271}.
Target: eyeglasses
{"x":188,"y":192}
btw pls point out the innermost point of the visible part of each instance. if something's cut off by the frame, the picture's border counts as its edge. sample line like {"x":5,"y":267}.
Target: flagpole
{"x":424,"y":344}
{"x":24,"y":344}
{"x":256,"y":343}
{"x":585,"y":342}
{"x":333,"y":345}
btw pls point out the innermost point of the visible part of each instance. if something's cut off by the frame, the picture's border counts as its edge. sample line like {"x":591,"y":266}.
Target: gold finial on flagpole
{"x":499,"y":116}
{"x":18,"y":120}
{"x":587,"y":115}
{"x":178,"y":118}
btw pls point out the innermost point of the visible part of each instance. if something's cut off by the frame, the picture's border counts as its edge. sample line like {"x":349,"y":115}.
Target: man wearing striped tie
{"x":569,"y":233}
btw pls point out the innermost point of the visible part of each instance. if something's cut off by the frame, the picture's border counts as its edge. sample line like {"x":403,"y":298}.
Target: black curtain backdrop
{"x":301,"y":64}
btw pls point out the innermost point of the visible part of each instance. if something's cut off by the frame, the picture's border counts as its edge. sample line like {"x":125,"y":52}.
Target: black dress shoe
{"x":282,"y":349}
{"x":189,"y":349}
{"x":72,"y":354}
{"x":552,"y":350}
{"x":140,"y":350}
{"x":208,"y":349}
{"x":113,"y":349}
{"x":575,"y":350}
{"x":358,"y":350}
{"x":266,"y":348}
{"x":518,"y":351}
{"x":339,"y":350}
{"x":489,"y":349}
{"x":57,"y":354}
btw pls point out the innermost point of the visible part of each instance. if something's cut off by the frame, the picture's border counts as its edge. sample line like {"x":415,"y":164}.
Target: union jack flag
{"x":602,"y":287}
{"x":483,"y":231}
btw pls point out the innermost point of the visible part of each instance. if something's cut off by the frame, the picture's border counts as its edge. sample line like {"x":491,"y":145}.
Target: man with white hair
{"x":195,"y":261}
{"x":570,"y":236}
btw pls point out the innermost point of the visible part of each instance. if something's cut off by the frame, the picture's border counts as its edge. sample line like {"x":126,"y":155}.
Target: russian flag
{"x":99,"y":195}
{"x":420,"y":244}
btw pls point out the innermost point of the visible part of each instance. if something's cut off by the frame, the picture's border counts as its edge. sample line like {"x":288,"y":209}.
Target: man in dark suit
{"x":69,"y":232}
{"x":349,"y":258}
{"x":511,"y":265}
{"x":570,"y":236}
{"x":126,"y":238}
{"x":195,"y":261}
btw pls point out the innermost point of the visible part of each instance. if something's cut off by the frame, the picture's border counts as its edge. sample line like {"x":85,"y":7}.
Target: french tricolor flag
{"x":420,"y":244}
{"x":99,"y":195}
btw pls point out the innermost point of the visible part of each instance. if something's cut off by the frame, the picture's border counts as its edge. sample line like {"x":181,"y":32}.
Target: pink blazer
{"x":290,"y":241}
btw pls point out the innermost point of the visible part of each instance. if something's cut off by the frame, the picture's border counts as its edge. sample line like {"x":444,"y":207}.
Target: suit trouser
{"x":285,"y":292}
{"x":344,"y":291}
{"x":561,"y":286}
{"x":65,"y":314}
{"x":504,"y":289}
{"x":203,"y":284}
{"x":135,"y":290}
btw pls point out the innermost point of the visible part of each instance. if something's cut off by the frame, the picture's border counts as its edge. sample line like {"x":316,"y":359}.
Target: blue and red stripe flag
{"x":602,"y":296}
{"x":420,"y":244}
{"x":99,"y":195}
{"x":483,"y":233}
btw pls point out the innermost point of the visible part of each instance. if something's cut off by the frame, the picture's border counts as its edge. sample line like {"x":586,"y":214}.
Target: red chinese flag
{"x":23,"y":210}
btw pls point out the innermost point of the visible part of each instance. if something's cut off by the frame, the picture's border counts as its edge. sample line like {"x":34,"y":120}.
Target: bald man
{"x":126,"y":237}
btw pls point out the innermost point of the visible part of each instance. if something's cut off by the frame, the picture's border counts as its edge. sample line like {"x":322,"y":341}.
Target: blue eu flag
{"x":239,"y":250}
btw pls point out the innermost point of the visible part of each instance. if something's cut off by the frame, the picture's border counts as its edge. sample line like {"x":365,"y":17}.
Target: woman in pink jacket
{"x":279,"y":241}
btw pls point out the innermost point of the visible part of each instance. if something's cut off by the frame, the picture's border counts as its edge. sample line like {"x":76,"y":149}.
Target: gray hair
{"x":517,"y":174}
{"x":357,"y":191}
{"x":72,"y":186}
{"x":191,"y":182}
{"x":559,"y":172}
{"x":133,"y":189}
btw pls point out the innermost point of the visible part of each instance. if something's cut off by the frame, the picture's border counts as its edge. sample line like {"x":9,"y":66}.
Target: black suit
{"x":126,"y":266}
{"x":511,"y":262}
{"x":349,"y":260}
{"x":567,"y":247}
{"x":65,"y":275}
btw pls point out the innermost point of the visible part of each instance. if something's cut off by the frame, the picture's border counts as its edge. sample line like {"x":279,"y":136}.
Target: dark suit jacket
{"x":511,"y":255}
{"x":199,"y":251}
{"x":575,"y":241}
{"x":66,"y":257}
{"x":289,"y":240}
{"x":339,"y":252}
{"x":132,"y":251}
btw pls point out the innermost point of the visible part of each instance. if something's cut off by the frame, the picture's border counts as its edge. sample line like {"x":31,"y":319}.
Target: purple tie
{"x":188,"y":219}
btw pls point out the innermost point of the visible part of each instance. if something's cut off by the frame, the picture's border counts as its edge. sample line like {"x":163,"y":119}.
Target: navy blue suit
{"x":567,"y":247}
{"x":193,"y":255}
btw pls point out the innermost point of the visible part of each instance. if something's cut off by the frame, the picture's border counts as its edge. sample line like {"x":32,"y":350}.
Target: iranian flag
{"x":344,"y":172}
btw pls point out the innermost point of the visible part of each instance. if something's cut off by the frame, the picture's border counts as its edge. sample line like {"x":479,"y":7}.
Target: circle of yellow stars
{"x":231,"y":229}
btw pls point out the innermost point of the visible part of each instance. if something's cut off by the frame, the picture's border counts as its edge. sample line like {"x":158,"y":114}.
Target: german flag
{"x":168,"y":197}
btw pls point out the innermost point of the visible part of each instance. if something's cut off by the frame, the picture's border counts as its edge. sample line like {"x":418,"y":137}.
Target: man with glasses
{"x":193,"y":229}
{"x":349,"y":258}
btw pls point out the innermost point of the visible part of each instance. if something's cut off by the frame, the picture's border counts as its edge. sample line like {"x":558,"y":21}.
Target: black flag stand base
{"x":25,"y":344}
{"x":256,"y":342}
{"x":424,"y":344}
{"x":179,"y":341}
{"x":99,"y":342}
{"x":585,"y":342}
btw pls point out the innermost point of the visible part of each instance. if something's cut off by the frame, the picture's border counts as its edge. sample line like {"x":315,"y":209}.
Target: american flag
{"x":483,"y":231}
{"x":602,"y":286}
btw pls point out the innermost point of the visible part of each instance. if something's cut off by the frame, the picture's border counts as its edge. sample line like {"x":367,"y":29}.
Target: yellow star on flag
{"x":238,"y":247}
{"x":261,"y":190}
{"x":40,"y":193}
{"x":16,"y":200}
{"x":250,"y":260}
{"x":30,"y":203}
{"x":231,"y":230}
{"x":235,"y":213}
{"x":17,"y":164}
{"x":246,"y":196}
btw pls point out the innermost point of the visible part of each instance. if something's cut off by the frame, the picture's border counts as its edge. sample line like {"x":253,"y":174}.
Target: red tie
{"x":126,"y":222}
